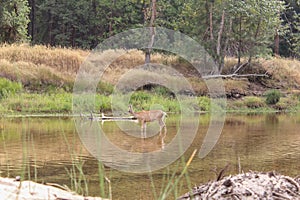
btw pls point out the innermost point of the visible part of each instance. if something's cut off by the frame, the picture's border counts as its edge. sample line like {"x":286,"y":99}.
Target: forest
{"x":255,"y":51}
{"x":248,"y":28}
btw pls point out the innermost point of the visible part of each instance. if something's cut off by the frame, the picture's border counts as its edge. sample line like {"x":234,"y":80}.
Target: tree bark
{"x":31,"y":28}
{"x":240,"y":41}
{"x":152,"y":32}
{"x":219,"y":45}
{"x":211,"y":22}
{"x":276,"y":43}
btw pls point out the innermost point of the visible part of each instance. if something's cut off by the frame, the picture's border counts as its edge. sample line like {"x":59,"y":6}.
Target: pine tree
{"x":14,"y":19}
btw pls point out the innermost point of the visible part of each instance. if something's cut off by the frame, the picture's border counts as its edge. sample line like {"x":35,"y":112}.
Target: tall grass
{"x":8,"y":87}
{"x":62,"y":59}
{"x":172,"y":183}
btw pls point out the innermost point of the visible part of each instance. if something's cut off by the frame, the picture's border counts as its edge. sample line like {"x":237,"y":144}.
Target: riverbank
{"x":60,"y":104}
{"x":39,"y":80}
{"x":12,"y":189}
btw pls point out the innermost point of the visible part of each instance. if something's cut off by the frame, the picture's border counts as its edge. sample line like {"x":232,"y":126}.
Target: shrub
{"x":8,"y":87}
{"x":273,"y":97}
{"x":162,"y":91}
{"x":140,"y":97}
{"x":103,"y":103}
{"x":105,"y":88}
{"x":204,"y":103}
{"x":254,"y":102}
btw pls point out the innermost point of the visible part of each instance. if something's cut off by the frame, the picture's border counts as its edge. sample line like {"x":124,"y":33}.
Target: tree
{"x":152,"y":31}
{"x":235,"y":28}
{"x":81,"y":23}
{"x":290,"y":40}
{"x":14,"y":20}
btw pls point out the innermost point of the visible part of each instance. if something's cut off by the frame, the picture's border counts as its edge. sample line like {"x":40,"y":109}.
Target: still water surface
{"x":48,"y":150}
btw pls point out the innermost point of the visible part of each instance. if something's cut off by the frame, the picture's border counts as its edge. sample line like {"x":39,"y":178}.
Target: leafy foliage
{"x":254,"y":102}
{"x":273,"y":97}
{"x":224,"y":27}
{"x":204,"y":103}
{"x":14,"y":18}
{"x":8,"y":87}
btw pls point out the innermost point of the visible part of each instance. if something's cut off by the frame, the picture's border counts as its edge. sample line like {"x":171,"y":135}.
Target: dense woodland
{"x":247,"y":28}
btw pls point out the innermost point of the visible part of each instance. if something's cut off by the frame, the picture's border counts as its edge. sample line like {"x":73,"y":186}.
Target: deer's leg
{"x":143,"y":129}
{"x":162,"y":125}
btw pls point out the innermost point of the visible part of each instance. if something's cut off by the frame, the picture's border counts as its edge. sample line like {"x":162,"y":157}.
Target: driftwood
{"x":251,"y":185}
{"x":12,"y":189}
{"x":95,"y":117}
{"x":234,"y":75}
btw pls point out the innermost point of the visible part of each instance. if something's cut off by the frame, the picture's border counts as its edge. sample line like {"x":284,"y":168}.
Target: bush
{"x":273,"y":97}
{"x":105,"y":88}
{"x":204,"y":103}
{"x":254,"y":102}
{"x":8,"y":87}
{"x":162,"y":91}
{"x":140,"y":97}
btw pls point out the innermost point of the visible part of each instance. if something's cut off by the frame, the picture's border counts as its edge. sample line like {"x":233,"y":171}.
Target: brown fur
{"x":149,"y":116}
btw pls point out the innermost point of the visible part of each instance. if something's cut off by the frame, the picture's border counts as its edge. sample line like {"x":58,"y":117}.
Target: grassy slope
{"x":53,"y":70}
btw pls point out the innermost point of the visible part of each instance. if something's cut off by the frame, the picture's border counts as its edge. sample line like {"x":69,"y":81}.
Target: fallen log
{"x":94,"y":117}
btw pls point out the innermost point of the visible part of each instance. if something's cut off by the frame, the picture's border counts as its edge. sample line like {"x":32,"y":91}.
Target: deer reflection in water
{"x":149,"y":116}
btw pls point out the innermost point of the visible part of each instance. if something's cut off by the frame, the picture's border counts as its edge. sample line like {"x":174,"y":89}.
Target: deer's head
{"x":130,"y":110}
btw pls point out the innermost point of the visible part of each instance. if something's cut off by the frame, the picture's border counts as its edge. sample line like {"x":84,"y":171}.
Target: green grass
{"x":30,"y":103}
{"x":61,"y":103}
{"x":8,"y":87}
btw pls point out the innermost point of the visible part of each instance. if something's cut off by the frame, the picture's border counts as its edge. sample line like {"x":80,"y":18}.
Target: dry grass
{"x":58,"y":66}
{"x":32,"y":75}
{"x":62,"y":59}
{"x":285,"y":71}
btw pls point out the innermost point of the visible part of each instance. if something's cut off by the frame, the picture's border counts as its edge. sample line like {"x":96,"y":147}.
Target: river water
{"x":49,"y":150}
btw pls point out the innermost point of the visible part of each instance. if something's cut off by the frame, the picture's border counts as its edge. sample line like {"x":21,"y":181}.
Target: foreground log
{"x":251,"y":185}
{"x":12,"y":189}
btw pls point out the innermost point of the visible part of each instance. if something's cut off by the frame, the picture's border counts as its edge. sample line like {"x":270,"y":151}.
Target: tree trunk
{"x":211,"y":22}
{"x":220,"y":55}
{"x":50,"y":24}
{"x":31,"y":28}
{"x":240,"y":41}
{"x":220,"y":34}
{"x":152,"y":33}
{"x":276,"y":43}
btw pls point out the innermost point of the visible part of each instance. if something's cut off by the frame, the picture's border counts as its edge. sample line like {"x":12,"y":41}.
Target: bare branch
{"x":234,"y":75}
{"x":240,"y":67}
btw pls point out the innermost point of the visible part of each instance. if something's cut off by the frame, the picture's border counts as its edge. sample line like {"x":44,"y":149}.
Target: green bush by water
{"x":254,"y":102}
{"x":8,"y":87}
{"x":204,"y":103}
{"x":273,"y":97}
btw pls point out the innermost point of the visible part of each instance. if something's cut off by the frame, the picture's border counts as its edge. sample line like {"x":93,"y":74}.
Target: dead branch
{"x":234,"y":75}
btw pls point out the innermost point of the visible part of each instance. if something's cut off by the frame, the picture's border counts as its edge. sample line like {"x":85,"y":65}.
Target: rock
{"x":250,"y":185}
{"x":10,"y":189}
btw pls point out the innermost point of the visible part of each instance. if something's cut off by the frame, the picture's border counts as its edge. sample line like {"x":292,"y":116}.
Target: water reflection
{"x":46,"y":148}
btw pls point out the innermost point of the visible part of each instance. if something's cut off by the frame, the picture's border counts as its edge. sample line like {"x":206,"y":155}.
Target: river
{"x":49,"y":150}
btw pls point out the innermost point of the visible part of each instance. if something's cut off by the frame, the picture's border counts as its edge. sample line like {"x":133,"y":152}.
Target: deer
{"x":149,"y":116}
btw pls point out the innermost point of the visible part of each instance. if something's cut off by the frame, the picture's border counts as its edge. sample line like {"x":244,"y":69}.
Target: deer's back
{"x":150,"y":116}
